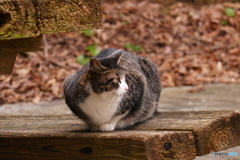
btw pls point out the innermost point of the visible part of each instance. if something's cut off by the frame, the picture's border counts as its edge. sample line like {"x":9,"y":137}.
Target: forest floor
{"x":191,"y":45}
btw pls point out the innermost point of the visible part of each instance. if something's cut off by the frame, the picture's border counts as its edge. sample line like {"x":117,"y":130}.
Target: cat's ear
{"x":116,"y":56}
{"x":95,"y":65}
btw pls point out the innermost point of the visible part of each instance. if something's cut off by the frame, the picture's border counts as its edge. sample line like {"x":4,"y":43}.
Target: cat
{"x":115,"y":90}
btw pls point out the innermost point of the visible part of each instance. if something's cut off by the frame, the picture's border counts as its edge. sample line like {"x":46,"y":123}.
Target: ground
{"x":190,"y":45}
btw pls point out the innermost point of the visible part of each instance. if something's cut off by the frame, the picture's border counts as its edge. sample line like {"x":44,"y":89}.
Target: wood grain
{"x":10,"y":48}
{"x":212,"y":131}
{"x":21,"y":45}
{"x":7,"y":61}
{"x":220,"y":134}
{"x":29,"y":18}
{"x":18,"y":19}
{"x":75,"y":144}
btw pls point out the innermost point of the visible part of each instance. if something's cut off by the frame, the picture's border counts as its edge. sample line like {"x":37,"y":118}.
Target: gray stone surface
{"x":42,"y":108}
{"x":208,"y":97}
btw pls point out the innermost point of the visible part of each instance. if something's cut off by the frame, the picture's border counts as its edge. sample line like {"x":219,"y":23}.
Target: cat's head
{"x":105,"y":75}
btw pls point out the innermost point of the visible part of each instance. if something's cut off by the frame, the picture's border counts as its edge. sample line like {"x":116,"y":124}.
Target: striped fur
{"x":102,"y":77}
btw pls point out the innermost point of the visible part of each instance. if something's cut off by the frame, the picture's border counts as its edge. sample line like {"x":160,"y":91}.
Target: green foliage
{"x":229,"y":12}
{"x":165,"y":10}
{"x":132,"y":47}
{"x":125,"y":22}
{"x":88,"y":32}
{"x":223,"y":22}
{"x":93,"y":49}
{"x":121,"y":14}
{"x":82,"y":59}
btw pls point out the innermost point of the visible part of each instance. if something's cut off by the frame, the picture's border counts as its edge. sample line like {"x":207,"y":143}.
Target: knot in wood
{"x":86,"y":150}
{"x":167,"y":146}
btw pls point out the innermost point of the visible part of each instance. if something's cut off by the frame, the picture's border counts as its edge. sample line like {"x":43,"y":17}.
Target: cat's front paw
{"x":106,"y":127}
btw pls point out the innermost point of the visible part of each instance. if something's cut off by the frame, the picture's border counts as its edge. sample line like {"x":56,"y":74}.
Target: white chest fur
{"x":100,"y":108}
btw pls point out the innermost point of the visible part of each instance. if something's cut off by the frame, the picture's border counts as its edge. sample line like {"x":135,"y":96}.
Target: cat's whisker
{"x":112,"y":100}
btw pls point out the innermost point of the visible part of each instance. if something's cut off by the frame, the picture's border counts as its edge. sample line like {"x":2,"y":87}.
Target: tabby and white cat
{"x":115,"y":90}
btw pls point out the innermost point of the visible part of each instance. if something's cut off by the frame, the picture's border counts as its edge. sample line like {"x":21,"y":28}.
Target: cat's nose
{"x":126,"y":89}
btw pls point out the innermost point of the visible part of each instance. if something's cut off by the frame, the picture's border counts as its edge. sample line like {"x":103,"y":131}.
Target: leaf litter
{"x":191,"y":45}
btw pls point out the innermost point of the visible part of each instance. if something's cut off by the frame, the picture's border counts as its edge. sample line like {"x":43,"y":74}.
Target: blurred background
{"x":190,"y":44}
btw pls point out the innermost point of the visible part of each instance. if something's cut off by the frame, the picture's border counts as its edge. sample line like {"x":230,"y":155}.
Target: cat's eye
{"x":101,"y":89}
{"x":110,"y":80}
{"x":100,"y":83}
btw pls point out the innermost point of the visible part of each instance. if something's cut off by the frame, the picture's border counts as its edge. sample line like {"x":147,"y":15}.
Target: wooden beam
{"x":21,"y":45}
{"x":74,"y":144}
{"x":211,"y":130}
{"x":29,"y":18}
{"x":10,"y":48}
{"x":7,"y":61}
{"x":22,"y":19}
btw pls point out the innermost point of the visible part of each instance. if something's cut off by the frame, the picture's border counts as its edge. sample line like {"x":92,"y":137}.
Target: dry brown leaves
{"x":190,"y":45}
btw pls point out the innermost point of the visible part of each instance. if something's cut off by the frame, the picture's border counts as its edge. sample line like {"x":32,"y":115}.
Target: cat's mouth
{"x":121,"y":92}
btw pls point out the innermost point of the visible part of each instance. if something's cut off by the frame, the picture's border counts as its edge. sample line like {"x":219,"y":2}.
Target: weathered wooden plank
{"x":10,"y":48}
{"x":21,"y":45}
{"x":17,"y":19}
{"x":75,"y":144}
{"x":21,"y":19}
{"x":7,"y":61}
{"x":213,"y":130}
{"x":71,"y":15}
{"x":29,"y":18}
{"x":220,"y":134}
{"x":174,"y":120}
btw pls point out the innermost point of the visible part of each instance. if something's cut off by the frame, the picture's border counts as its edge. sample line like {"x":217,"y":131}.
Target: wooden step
{"x":169,"y":135}
{"x":23,"y":22}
